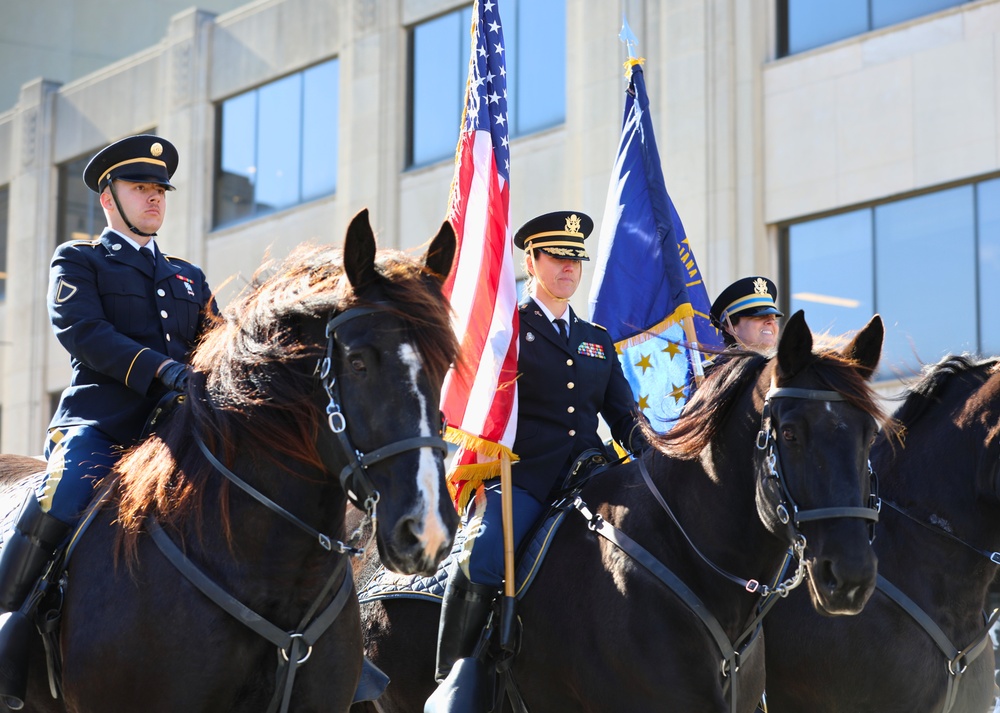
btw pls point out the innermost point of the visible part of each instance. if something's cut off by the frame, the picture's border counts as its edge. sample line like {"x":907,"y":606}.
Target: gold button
{"x":572,"y":432}
{"x":570,"y":409}
{"x":161,"y":293}
{"x":569,"y":362}
{"x":163,"y":313}
{"x":570,"y":385}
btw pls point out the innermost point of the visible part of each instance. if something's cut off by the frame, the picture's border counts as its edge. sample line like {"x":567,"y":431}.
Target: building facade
{"x":856,"y":162}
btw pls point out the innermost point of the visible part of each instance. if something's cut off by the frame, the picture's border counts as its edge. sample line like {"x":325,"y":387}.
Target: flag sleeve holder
{"x":508,"y":604}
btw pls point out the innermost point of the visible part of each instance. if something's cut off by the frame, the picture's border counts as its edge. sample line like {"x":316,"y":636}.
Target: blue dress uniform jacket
{"x":561,"y":389}
{"x":120,"y":318}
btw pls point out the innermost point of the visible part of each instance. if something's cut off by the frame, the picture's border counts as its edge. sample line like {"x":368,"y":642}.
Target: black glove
{"x":637,"y":442}
{"x":175,"y":375}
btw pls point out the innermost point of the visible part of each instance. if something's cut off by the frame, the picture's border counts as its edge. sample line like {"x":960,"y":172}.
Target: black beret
{"x":139,"y":159}
{"x":559,"y":234}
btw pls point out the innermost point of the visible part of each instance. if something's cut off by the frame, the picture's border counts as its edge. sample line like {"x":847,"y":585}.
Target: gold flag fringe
{"x":464,"y":480}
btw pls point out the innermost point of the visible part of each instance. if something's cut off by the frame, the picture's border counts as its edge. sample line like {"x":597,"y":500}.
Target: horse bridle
{"x":787,"y":510}
{"x":354,"y":476}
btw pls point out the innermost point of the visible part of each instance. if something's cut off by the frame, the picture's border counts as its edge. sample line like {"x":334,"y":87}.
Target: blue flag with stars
{"x":647,"y":290}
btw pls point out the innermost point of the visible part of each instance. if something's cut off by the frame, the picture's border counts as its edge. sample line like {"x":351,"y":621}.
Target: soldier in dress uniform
{"x":568,"y":373}
{"x":747,"y":315}
{"x":129,"y":316}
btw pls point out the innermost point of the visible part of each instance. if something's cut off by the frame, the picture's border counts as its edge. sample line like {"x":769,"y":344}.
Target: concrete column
{"x":31,"y":225}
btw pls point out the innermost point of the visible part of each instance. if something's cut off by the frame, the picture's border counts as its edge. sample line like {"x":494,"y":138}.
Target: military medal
{"x":591,"y":349}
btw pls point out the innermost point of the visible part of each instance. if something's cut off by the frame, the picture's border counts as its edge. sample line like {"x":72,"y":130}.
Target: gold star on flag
{"x":672,"y":349}
{"x":644,"y":363}
{"x":678,"y":393}
{"x":643,"y":402}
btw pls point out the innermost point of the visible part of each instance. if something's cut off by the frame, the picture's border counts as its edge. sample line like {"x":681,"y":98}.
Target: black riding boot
{"x":25,"y":554}
{"x":22,"y":561}
{"x":464,"y":611}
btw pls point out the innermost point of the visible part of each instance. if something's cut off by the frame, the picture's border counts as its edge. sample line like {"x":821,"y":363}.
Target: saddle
{"x":384,"y":584}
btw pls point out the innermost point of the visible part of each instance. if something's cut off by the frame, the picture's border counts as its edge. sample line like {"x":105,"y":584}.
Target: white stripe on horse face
{"x":434,"y":533}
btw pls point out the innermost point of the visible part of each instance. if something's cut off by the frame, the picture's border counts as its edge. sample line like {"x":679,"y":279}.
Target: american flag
{"x":479,"y":401}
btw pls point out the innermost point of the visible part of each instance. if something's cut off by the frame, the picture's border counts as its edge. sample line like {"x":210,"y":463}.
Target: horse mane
{"x":715,"y":399}
{"x":254,"y":381}
{"x":921,"y":396}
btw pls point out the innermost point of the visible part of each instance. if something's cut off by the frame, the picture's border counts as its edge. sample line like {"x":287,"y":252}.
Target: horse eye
{"x":358,"y":365}
{"x":788,"y":434}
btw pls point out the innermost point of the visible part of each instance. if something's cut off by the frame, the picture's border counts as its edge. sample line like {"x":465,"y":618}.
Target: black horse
{"x":318,"y":385}
{"x":767,"y":453}
{"x":921,"y":643}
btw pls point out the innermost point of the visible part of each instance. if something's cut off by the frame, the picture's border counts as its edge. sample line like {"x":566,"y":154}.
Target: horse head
{"x":814,"y":482}
{"x":387,"y":355}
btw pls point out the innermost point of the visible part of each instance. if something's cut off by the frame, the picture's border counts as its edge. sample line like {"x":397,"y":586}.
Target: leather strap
{"x":296,"y":646}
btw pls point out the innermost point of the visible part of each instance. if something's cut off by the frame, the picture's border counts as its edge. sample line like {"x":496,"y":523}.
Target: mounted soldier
{"x":128,"y":315}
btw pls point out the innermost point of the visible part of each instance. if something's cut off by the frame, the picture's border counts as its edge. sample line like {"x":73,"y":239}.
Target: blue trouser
{"x":78,"y":458}
{"x":483,"y":550}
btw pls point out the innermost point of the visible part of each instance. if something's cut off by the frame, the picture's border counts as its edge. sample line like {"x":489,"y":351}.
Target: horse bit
{"x":295,"y":648}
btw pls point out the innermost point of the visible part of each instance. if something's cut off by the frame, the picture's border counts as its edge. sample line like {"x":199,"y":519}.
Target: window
{"x":278,"y":144}
{"x":804,"y":24}
{"x":930,"y":265}
{"x":80,"y":215}
{"x":4,"y":218}
{"x":535,"y":42}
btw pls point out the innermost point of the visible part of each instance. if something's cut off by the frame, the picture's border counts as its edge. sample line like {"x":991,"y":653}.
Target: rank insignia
{"x":591,"y":349}
{"x":64,"y":291}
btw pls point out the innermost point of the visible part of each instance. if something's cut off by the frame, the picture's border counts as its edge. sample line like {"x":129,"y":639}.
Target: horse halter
{"x":787,"y":510}
{"x":354,"y":476}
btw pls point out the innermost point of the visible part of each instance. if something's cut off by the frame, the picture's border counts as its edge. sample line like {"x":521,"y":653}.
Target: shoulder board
{"x":91,"y":243}
{"x":603,"y":329}
{"x":178,"y":259}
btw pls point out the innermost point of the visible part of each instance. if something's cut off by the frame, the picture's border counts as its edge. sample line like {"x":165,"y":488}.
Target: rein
{"x":787,"y":510}
{"x":296,"y":647}
{"x":958,"y":660}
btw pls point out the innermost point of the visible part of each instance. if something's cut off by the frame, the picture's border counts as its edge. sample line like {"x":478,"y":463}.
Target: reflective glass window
{"x":535,"y":55}
{"x":278,"y":144}
{"x":930,"y":265}
{"x":925,"y":277}
{"x":831,"y":279}
{"x":812,"y":23}
{"x":80,"y":216}
{"x":890,"y":12}
{"x":439,"y":64}
{"x":536,"y":65}
{"x":804,"y":24}
{"x":988,"y":218}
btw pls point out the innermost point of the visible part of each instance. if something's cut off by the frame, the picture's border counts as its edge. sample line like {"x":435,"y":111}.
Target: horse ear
{"x":866,"y":347}
{"x":441,"y":253}
{"x":794,"y":346}
{"x":359,"y":252}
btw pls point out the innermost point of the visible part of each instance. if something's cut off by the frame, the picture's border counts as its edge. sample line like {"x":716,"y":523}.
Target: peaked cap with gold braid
{"x":559,"y":234}
{"x":140,"y":159}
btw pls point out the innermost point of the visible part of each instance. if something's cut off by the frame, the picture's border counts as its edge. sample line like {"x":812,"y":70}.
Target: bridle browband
{"x":295,"y":647}
{"x":787,"y":510}
{"x":354,"y":476}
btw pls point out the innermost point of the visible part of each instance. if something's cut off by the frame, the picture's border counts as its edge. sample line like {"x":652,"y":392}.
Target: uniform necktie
{"x":148,"y":254}
{"x":563,"y":328}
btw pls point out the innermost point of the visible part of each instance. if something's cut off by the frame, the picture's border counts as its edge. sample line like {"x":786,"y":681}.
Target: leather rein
{"x":957,"y":660}
{"x":788,"y":513}
{"x":295,"y":647}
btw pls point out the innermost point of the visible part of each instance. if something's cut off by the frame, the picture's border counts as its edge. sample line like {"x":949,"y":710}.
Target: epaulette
{"x":91,"y":243}
{"x":601,"y":327}
{"x":178,"y":258}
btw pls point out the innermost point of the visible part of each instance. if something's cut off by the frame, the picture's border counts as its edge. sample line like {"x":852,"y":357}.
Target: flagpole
{"x":693,"y":350}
